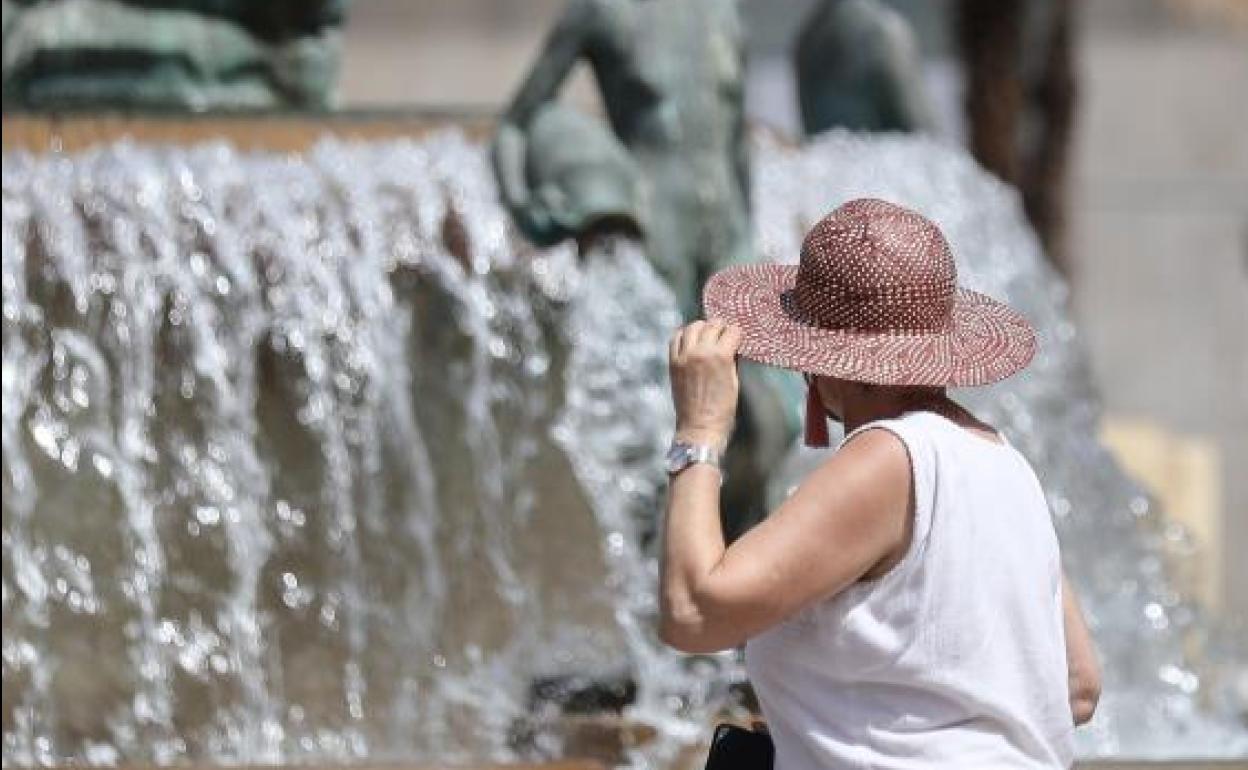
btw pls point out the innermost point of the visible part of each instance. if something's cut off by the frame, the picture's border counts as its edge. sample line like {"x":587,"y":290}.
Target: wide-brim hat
{"x":874,"y":298}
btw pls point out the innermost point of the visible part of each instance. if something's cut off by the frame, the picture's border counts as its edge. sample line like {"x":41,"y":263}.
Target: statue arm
{"x":903,"y":80}
{"x":741,"y":146}
{"x":563,"y":47}
{"x":807,"y":48}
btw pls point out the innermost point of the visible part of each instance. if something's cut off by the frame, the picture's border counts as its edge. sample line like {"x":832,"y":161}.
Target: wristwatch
{"x":682,"y":454}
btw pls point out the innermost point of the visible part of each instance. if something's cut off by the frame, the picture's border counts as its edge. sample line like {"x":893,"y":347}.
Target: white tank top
{"x":956,"y":657}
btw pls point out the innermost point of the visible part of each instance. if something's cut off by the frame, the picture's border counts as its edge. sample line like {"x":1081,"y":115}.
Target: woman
{"x":905,"y":606}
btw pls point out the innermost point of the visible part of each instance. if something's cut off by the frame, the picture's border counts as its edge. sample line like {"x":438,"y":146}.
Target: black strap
{"x":739,"y":748}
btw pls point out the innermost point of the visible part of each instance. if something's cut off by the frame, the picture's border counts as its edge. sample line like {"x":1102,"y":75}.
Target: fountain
{"x":312,"y":459}
{"x":671,"y":76}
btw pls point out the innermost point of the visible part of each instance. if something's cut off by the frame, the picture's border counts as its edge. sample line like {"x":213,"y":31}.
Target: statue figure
{"x":181,"y":54}
{"x":671,"y":74}
{"x":858,"y":67}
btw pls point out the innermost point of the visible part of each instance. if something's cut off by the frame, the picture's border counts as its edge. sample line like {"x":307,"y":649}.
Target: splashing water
{"x":312,"y":460}
{"x":263,"y":444}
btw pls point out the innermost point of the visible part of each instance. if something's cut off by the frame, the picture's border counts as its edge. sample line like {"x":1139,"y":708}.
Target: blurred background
{"x":1121,"y":124}
{"x":1156,"y":231}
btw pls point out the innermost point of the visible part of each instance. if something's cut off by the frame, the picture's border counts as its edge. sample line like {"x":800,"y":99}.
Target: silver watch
{"x":681,"y":455}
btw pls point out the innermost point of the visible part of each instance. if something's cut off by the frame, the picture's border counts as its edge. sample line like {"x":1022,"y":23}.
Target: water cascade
{"x":312,"y":459}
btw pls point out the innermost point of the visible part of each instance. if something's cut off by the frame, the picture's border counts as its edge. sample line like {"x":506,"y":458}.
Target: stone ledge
{"x":270,"y":131}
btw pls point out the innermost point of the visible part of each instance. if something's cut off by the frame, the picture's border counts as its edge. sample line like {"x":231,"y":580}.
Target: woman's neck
{"x":885,"y":403}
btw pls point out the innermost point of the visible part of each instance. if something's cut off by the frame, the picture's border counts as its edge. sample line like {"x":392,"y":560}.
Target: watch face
{"x":677,"y":457}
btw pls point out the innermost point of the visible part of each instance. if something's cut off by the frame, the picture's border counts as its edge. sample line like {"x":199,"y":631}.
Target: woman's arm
{"x":1083,"y":669}
{"x":851,"y":514}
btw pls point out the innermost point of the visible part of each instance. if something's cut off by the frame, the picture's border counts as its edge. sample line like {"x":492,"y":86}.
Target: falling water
{"x":312,"y":460}
{"x":278,"y":483}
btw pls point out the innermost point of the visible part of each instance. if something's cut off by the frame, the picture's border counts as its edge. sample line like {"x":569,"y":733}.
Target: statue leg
{"x":769,"y":412}
{"x":679,"y":274}
{"x":768,"y":421}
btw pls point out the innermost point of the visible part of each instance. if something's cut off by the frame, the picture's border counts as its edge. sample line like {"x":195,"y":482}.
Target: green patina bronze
{"x":581,"y":180}
{"x":171,"y":54}
{"x":858,"y":67}
{"x":671,"y":75}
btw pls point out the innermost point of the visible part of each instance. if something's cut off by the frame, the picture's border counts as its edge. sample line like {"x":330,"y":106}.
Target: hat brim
{"x":987,"y":341}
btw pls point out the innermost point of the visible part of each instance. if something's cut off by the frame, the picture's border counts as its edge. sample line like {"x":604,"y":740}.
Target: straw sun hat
{"x":874,"y":299}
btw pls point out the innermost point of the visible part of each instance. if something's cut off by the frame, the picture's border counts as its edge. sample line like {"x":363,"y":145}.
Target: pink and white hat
{"x":874,"y":299}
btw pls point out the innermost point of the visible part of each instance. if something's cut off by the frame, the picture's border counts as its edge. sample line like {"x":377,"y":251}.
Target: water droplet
{"x":208,"y":515}
{"x":1156,"y":615}
{"x":615,"y":544}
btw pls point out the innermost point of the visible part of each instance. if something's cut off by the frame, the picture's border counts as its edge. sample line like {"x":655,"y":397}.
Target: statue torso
{"x":670,"y":71}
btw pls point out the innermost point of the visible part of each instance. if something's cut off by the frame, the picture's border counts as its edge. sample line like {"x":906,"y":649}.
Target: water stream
{"x":310,"y":459}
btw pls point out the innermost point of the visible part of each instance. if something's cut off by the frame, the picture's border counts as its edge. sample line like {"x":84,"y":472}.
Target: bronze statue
{"x":857,"y":64}
{"x":671,"y":74}
{"x":580,"y":178}
{"x":171,"y":54}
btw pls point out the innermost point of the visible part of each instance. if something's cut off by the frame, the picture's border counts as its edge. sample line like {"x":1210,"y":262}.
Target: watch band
{"x":701,"y":453}
{"x":683,"y":454}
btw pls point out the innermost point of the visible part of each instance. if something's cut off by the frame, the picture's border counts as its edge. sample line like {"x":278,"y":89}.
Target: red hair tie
{"x":816,"y":419}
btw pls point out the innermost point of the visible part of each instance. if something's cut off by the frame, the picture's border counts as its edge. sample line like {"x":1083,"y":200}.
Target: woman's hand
{"x":703,"y":367}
